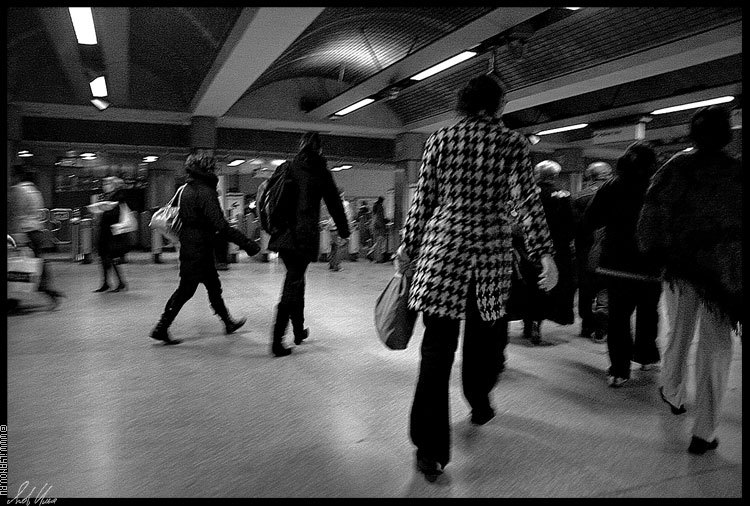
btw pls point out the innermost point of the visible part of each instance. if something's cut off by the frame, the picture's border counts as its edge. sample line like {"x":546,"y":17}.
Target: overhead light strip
{"x":83,"y":23}
{"x":694,"y":105}
{"x":563,"y":129}
{"x":99,"y":87}
{"x":355,"y":106}
{"x":450,"y":62}
{"x":100,"y":104}
{"x":235,"y":163}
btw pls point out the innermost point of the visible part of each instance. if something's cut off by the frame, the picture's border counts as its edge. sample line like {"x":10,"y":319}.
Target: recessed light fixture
{"x":687,"y":150}
{"x":83,"y":24}
{"x":354,"y":107}
{"x":694,"y":105}
{"x":341,"y":167}
{"x":572,"y":8}
{"x":151,"y":158}
{"x":236,"y":162}
{"x":533,"y":139}
{"x":25,"y":154}
{"x":99,"y":87}
{"x":562,"y":129}
{"x":277,"y":162}
{"x":444,"y":65}
{"x":88,"y":155}
{"x":99,"y":103}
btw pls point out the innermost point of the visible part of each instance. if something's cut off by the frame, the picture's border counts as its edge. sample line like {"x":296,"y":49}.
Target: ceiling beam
{"x":255,"y":42}
{"x":708,"y":46}
{"x":462,"y":39}
{"x":113,"y":32}
{"x":63,"y":37}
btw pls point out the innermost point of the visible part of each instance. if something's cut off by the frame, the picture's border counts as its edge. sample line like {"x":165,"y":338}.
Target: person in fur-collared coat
{"x":202,"y":220}
{"x":458,"y":236}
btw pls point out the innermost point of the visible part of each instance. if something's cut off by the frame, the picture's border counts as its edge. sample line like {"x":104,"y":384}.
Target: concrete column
{"x":15,"y":135}
{"x":408,"y":158}
{"x":573,"y":166}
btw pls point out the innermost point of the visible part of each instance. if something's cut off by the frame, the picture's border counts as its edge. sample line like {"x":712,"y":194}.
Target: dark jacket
{"x":585,"y":239}
{"x":202,"y":218}
{"x":104,"y":243}
{"x":616,"y":207}
{"x":310,"y":182}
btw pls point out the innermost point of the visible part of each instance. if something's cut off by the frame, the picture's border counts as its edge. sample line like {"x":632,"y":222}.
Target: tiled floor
{"x":97,"y":409}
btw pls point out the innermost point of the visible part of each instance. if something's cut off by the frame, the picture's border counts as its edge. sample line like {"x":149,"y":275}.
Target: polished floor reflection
{"x":97,"y":409}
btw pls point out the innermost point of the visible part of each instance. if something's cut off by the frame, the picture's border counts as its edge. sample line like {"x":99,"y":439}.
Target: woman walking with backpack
{"x":297,"y":239}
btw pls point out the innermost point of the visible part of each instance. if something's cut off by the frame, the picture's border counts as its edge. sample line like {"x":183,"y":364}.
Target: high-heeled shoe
{"x":102,"y":288}
{"x":122,"y":287}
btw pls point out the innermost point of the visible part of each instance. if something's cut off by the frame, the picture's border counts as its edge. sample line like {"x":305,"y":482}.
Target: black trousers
{"x":186,"y":290}
{"x":625,"y":297}
{"x":36,"y":240}
{"x":292,"y":303}
{"x":483,"y":345}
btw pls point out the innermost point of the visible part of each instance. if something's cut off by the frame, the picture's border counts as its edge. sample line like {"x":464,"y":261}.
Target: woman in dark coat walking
{"x":106,"y":245}
{"x":308,"y":181}
{"x":632,"y":281}
{"x":202,"y":219}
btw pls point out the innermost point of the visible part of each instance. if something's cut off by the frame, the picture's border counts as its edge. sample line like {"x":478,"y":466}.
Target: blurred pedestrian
{"x":591,"y":289}
{"x":631,"y":280}
{"x":298,"y":243}
{"x":557,"y":304}
{"x":339,"y":245}
{"x":201,"y":218}
{"x":109,"y":248}
{"x":691,"y":224}
{"x":363,"y":224}
{"x":378,"y":228}
{"x":25,"y":204}
{"x":460,"y":243}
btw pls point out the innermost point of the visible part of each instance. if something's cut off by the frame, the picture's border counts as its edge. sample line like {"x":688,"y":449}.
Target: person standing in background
{"x":363,"y":224}
{"x":461,"y":248}
{"x":631,"y":280}
{"x":105,"y":245}
{"x":691,"y":225}
{"x":377,"y":252}
{"x":591,"y":290}
{"x":25,"y":203}
{"x":557,"y":305}
{"x":339,"y":245}
{"x":298,"y":243}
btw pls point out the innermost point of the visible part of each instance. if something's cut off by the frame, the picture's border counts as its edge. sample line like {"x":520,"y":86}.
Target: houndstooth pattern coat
{"x":474,"y":174}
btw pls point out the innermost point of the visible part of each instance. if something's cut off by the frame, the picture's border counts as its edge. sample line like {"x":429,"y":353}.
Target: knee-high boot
{"x":161,"y":331}
{"x":279,"y":329}
{"x":298,"y":323}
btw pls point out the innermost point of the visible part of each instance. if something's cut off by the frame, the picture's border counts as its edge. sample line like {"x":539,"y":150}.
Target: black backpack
{"x":273,"y":200}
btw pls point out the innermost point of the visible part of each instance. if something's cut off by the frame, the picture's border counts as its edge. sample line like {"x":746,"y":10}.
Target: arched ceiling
{"x":291,"y":68}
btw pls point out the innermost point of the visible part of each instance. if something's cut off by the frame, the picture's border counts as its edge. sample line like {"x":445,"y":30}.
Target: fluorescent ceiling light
{"x":533,"y":139}
{"x":88,"y":155}
{"x":100,"y":104}
{"x":277,"y":162}
{"x":149,"y":159}
{"x":24,"y":154}
{"x":694,"y":105}
{"x":355,"y":106}
{"x":83,"y":23}
{"x":444,"y":65}
{"x":341,"y":167}
{"x":235,"y":163}
{"x":99,"y":87}
{"x":572,"y":8}
{"x":562,"y":129}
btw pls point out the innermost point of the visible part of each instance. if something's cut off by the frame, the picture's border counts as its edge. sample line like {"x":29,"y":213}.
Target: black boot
{"x":102,"y":288}
{"x":298,"y":324}
{"x":279,"y":329}
{"x":232,"y":325}
{"x":160,"y":332}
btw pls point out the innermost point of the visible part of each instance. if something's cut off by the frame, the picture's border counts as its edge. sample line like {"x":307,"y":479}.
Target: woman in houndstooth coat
{"x":458,"y":232}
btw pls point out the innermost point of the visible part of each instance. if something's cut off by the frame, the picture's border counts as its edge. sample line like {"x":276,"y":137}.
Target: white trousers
{"x":713,"y":357}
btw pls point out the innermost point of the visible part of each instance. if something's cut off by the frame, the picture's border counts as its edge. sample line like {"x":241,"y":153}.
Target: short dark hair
{"x":710,"y":127}
{"x":310,"y":141}
{"x":482,"y":93}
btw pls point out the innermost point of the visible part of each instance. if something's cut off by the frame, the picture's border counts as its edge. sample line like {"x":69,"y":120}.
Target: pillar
{"x":573,"y":167}
{"x":408,"y":158}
